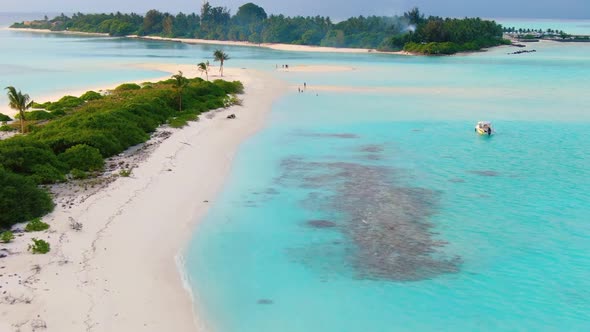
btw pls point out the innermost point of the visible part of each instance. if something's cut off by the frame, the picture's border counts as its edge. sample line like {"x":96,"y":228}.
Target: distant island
{"x":531,"y":35}
{"x":411,"y":32}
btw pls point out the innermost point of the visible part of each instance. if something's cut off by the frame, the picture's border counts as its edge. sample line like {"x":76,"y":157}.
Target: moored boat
{"x":484,"y":128}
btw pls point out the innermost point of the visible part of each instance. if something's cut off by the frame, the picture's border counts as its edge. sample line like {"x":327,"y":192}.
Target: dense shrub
{"x":183,"y":118}
{"x":6,"y":237}
{"x":36,"y":225}
{"x":7,"y":128}
{"x":39,"y":247}
{"x":65,"y":104}
{"x":27,"y":156}
{"x":60,"y":107}
{"x":78,"y":174}
{"x":215,"y":103}
{"x":46,"y":174}
{"x":127,"y":87}
{"x":21,"y":199}
{"x":42,"y":106}
{"x":4,"y":118}
{"x":37,"y":115}
{"x":95,"y":129}
{"x":230,"y":87}
{"x":59,"y":112}
{"x":91,"y":95}
{"x":433,"y":48}
{"x":82,"y":157}
{"x":111,"y":132}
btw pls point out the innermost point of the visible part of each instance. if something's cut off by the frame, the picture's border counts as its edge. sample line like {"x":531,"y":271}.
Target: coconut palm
{"x":204,"y":68}
{"x":180,"y":82}
{"x":19,"y":102}
{"x":221,"y":57}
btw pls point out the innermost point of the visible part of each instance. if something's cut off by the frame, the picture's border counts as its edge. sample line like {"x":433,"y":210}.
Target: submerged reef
{"x":386,"y":227}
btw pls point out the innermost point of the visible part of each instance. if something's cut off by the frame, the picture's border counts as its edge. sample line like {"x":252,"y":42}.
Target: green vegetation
{"x":21,"y":199}
{"x":125,"y":173}
{"x":39,"y":247}
{"x":204,"y":68}
{"x":180,"y":82}
{"x":251,"y":23}
{"x":6,"y":237}
{"x":19,"y":102}
{"x":435,"y":35}
{"x":91,"y":95}
{"x":36,"y":225}
{"x":4,"y":118}
{"x":82,"y":157}
{"x":220,"y":56}
{"x":84,"y":131}
{"x":548,"y":34}
{"x":62,"y":106}
{"x":78,"y":174}
{"x":7,"y":128}
{"x":37,"y":115}
{"x":128,"y":87}
{"x":30,"y":157}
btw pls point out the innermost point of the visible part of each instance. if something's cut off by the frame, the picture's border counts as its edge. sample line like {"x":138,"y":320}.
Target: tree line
{"x":251,"y":23}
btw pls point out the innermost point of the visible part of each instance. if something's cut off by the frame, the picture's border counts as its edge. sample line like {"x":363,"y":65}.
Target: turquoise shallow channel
{"x":368,"y":203}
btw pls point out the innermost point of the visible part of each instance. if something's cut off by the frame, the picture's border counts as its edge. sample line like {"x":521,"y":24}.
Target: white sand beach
{"x":120,"y":273}
{"x":74,"y":33}
{"x":278,"y":47}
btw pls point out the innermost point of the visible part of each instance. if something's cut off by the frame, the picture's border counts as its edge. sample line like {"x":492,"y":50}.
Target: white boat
{"x":484,"y":128}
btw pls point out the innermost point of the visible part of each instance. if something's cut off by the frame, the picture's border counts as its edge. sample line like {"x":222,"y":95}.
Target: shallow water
{"x":462,"y":232}
{"x":382,"y":210}
{"x":430,"y":228}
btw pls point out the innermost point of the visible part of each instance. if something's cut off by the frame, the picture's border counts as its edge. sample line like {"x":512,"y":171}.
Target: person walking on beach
{"x":304,"y":86}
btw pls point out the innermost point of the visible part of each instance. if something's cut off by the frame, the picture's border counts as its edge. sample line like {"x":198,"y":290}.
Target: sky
{"x":337,"y":9}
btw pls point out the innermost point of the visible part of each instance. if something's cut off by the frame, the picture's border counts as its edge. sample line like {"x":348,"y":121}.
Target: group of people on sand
{"x":300,"y":90}
{"x":282,"y":66}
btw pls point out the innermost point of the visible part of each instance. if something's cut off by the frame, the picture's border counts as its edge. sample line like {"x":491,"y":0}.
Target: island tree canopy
{"x":412,"y":31}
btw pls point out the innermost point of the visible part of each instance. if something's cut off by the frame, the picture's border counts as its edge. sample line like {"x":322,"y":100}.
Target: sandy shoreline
{"x":120,"y":272}
{"x":74,"y":33}
{"x":278,"y":47}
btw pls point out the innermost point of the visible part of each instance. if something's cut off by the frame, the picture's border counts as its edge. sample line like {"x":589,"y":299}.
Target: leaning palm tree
{"x":204,"y":68}
{"x":221,"y":57}
{"x":19,"y":102}
{"x":180,"y":82}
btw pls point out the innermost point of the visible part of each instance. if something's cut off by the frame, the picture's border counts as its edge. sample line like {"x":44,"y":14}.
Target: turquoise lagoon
{"x":377,"y":208}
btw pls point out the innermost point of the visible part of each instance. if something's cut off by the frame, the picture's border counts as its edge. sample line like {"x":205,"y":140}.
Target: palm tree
{"x":19,"y":102}
{"x":180,"y":82}
{"x":221,"y":57}
{"x":204,"y":68}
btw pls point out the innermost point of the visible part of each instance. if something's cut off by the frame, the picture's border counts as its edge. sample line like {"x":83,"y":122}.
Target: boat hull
{"x":482,"y":132}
